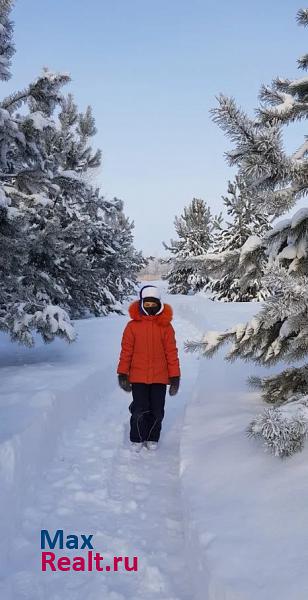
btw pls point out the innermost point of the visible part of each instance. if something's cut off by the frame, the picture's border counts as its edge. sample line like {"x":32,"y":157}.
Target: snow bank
{"x":45,"y":390}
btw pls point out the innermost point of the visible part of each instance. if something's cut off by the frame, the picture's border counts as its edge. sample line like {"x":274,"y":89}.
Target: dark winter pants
{"x":147,"y":410}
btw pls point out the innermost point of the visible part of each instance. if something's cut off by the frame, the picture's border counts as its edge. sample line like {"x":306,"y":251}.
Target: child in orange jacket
{"x":148,"y":362}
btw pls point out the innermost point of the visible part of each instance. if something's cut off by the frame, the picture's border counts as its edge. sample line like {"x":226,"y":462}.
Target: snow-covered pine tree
{"x":124,"y":262}
{"x":7,"y":48}
{"x":100,"y":232}
{"x":52,"y":222}
{"x":26,"y":173}
{"x":194,"y":230}
{"x":238,"y":274}
{"x":11,"y":237}
{"x":22,"y":164}
{"x":78,"y":246}
{"x":83,"y":215}
{"x":280,"y":330}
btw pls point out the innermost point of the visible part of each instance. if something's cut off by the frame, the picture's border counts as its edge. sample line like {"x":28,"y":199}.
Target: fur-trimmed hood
{"x":163,"y":319}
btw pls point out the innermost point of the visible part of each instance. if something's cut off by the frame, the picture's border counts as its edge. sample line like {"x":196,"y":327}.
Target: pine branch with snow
{"x":258,"y":151}
{"x":283,"y":387}
{"x":281,"y":433}
{"x":279,"y":330}
{"x":287,"y":243}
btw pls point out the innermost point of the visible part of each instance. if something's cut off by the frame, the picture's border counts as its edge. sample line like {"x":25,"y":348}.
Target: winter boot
{"x":136,"y":446}
{"x":152,"y":445}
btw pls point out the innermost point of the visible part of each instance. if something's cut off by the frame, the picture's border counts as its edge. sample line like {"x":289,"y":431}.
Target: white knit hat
{"x":151,"y":291}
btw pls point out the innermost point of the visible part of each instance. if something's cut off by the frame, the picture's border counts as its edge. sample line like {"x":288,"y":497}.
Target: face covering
{"x":152,"y":310}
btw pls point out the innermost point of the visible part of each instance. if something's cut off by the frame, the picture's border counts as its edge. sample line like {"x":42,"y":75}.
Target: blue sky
{"x":151,"y":71}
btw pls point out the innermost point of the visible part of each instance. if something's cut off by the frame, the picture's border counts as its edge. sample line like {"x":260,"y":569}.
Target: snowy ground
{"x":209,"y":515}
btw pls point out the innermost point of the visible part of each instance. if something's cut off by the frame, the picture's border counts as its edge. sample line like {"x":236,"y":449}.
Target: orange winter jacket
{"x":148,"y":352}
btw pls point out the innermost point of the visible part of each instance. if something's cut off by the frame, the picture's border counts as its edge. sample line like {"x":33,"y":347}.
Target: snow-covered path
{"x":130,"y":503}
{"x":209,"y":515}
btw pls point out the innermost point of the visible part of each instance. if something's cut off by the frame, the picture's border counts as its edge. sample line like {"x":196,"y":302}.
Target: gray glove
{"x":174,"y":385}
{"x":124,"y":383}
